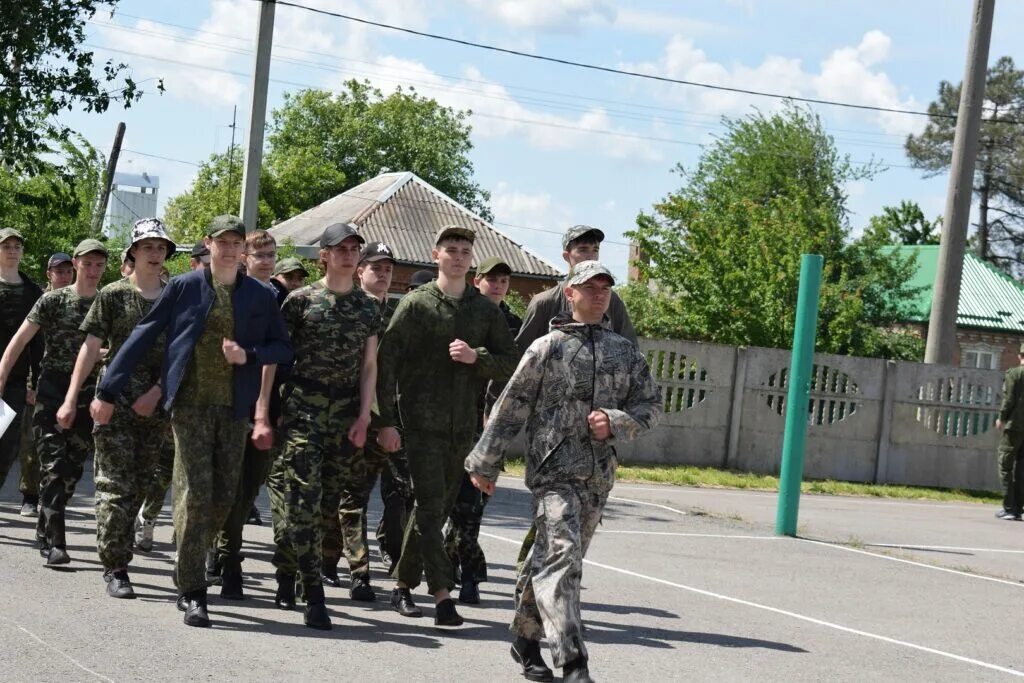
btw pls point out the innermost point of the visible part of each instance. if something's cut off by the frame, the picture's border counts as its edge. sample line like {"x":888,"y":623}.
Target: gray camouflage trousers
{"x":548,"y":588}
{"x":129,"y":450}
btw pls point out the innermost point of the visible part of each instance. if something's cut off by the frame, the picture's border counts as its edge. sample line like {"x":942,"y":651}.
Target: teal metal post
{"x":795,"y":438}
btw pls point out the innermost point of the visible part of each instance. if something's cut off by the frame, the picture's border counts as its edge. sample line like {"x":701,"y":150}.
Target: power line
{"x":620,"y":72}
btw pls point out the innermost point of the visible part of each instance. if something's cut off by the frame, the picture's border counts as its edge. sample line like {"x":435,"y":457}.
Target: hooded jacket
{"x":438,"y":395}
{"x":563,"y":376}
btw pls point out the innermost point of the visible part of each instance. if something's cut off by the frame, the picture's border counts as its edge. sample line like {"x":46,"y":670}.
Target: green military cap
{"x":289,"y":265}
{"x":494,"y":263}
{"x":8,"y":233}
{"x":226,"y":223}
{"x":454,"y":231}
{"x":88,"y":246}
{"x":585,"y":271}
{"x":578,"y":231}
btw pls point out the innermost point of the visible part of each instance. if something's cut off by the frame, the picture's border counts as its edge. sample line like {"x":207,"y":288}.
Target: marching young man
{"x":136,"y":449}
{"x":578,"y":390}
{"x":221,"y":328}
{"x":444,"y":339}
{"x":62,"y":452}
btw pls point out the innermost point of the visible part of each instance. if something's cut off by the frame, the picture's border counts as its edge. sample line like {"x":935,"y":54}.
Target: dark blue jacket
{"x":181,"y":311}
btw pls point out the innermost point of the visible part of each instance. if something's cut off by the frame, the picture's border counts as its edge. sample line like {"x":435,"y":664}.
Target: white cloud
{"x":661,"y":23}
{"x":548,"y":15}
{"x":847,"y":74}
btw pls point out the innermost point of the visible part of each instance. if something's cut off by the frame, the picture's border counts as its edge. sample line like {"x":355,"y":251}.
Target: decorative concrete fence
{"x":869,"y":420}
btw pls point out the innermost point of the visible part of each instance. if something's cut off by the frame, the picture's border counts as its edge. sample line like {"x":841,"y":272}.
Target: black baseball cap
{"x":336,"y":233}
{"x":199,"y":249}
{"x":57,"y":259}
{"x":376,"y":251}
{"x":420,"y":277}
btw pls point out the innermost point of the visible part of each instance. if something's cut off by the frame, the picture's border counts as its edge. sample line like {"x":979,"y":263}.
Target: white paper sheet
{"x":7,"y":415}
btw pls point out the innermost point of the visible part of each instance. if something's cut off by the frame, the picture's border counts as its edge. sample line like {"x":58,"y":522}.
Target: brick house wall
{"x":1004,"y":344}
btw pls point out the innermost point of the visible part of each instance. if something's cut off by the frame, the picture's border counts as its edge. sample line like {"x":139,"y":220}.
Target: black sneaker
{"x":254,"y":517}
{"x":29,"y":508}
{"x":329,"y":577}
{"x":445,"y":615}
{"x":527,"y":654}
{"x":1008,"y":516}
{"x":401,"y":600}
{"x":57,"y":557}
{"x":361,"y":590}
{"x":118,"y":584}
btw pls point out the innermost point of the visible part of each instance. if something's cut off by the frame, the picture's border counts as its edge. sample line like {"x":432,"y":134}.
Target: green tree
{"x":904,"y":224}
{"x":53,"y":208}
{"x":725,"y":249}
{"x":44,"y":70}
{"x":321,"y":144}
{"x":999,"y":166}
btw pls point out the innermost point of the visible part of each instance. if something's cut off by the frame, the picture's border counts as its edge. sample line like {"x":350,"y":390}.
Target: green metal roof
{"x":988,"y":298}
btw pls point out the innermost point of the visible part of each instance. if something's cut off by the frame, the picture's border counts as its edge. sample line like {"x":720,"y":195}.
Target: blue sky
{"x":556,"y":145}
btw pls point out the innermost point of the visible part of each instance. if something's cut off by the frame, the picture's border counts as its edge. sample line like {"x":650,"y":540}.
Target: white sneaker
{"x":144,"y":534}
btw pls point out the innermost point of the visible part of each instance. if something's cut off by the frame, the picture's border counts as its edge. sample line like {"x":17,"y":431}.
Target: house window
{"x":981,"y":356}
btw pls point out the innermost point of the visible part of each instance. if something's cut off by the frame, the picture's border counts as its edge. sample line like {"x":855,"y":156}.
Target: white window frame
{"x":972,"y":356}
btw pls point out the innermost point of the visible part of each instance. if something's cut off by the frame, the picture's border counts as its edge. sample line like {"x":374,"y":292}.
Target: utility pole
{"x":257,"y":116}
{"x":108,"y":180}
{"x":941,"y":345}
{"x":231,"y":155}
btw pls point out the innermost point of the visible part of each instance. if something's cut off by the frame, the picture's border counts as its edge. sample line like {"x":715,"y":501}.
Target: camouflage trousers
{"x":10,"y":442}
{"x":255,"y":468}
{"x":396,"y":496}
{"x":436,"y":466}
{"x":62,"y":456}
{"x":28,"y":484}
{"x":306,"y":479}
{"x":208,"y":447}
{"x":461,"y":538}
{"x":1011,"y":471}
{"x":129,"y":450}
{"x":548,"y":588}
{"x":345,"y":533}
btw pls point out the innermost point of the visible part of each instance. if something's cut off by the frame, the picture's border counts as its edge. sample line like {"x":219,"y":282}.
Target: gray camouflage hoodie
{"x":562,"y":377}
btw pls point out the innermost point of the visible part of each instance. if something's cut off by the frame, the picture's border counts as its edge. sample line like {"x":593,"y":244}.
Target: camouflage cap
{"x":226,"y":223}
{"x":88,"y":246}
{"x":454,"y":231}
{"x":151,"y":228}
{"x":8,"y":233}
{"x":584,"y":271}
{"x":289,"y":265}
{"x":578,"y":231}
{"x":494,"y":262}
{"x":57,"y":259}
{"x":336,"y":233}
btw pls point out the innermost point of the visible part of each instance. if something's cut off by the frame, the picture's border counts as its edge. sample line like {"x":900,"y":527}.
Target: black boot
{"x":401,"y":600}
{"x":213,"y":568}
{"x":285,"y":598}
{"x":527,"y":653}
{"x":469,"y":592}
{"x":316,"y":609}
{"x":195,"y":611}
{"x":576,"y":671}
{"x":361,"y":590}
{"x":119,"y":585}
{"x":231,"y":580}
{"x":445,"y":614}
{"x":329,"y":575}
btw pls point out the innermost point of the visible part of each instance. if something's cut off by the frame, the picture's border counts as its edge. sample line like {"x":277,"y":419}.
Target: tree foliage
{"x":44,"y":70}
{"x":999,"y":166}
{"x":725,"y":249}
{"x":321,"y":144}
{"x":904,"y":224}
{"x":53,"y":208}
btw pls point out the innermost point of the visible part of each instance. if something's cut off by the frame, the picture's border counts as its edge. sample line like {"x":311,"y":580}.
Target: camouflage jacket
{"x":59,"y":315}
{"x":562,"y":377}
{"x":15,"y":303}
{"x":439,"y":395}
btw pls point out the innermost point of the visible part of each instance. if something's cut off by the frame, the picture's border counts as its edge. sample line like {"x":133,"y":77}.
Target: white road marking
{"x":58,"y":651}
{"x":916,"y":546}
{"x":679,"y":533}
{"x":793,"y":615}
{"x":1015,"y":584}
{"x":647,"y":504}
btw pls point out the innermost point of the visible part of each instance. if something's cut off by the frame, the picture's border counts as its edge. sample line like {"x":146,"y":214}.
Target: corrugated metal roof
{"x":988,"y":298}
{"x":405,"y":212}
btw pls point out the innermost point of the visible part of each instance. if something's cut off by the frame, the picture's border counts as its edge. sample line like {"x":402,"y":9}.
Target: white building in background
{"x":132,"y":196}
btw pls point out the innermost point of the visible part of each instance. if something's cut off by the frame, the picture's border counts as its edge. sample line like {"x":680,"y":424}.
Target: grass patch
{"x":709,"y":477}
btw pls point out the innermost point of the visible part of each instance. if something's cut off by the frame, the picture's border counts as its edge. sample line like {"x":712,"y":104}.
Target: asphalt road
{"x":680,"y":584}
